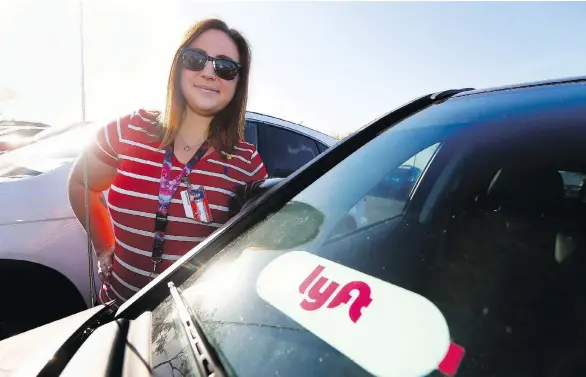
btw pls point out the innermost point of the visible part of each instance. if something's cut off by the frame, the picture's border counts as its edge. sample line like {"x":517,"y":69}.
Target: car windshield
{"x":49,"y":150}
{"x":460,"y":271}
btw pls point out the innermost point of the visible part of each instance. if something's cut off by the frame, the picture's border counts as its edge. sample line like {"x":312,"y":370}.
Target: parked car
{"x":479,"y":272}
{"x":43,"y":245}
{"x":399,"y":183}
{"x":15,"y":134}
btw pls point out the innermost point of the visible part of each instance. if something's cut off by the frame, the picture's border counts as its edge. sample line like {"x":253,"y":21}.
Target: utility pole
{"x":85,"y":166}
{"x":82,"y":60}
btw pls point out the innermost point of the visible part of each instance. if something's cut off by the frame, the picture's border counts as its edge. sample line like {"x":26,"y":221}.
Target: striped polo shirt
{"x":133,"y":199}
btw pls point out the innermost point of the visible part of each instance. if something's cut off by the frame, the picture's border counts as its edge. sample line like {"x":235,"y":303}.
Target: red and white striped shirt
{"x":133,"y":199}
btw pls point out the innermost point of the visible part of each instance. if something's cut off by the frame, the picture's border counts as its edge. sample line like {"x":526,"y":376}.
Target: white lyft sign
{"x":387,"y":330}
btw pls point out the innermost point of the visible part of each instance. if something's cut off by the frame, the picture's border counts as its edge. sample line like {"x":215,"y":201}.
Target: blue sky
{"x":333,"y":65}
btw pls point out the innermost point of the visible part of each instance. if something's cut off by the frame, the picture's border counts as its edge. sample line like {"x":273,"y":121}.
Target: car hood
{"x":26,"y":354}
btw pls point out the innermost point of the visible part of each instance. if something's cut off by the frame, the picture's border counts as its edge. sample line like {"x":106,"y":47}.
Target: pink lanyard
{"x":167,"y":189}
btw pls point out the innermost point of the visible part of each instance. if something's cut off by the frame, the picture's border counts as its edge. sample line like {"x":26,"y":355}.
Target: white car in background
{"x":43,"y":247}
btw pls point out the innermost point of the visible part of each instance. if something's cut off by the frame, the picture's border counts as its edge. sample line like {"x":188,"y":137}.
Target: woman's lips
{"x":207,"y":89}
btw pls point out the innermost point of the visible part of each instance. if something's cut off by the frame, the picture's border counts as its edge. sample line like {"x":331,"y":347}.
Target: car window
{"x":479,"y":275}
{"x":284,"y":151}
{"x":573,"y":184}
{"x":321,"y":147}
{"x":387,"y":198}
{"x":14,"y":137}
{"x":250,"y":133}
{"x":47,"y":153}
{"x":22,"y":132}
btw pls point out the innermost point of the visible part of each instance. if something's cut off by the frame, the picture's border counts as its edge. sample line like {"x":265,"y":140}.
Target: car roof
{"x":565,"y":80}
{"x":264,"y":118}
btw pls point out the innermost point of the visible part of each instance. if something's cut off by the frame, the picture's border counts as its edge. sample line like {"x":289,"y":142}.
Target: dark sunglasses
{"x":195,"y":60}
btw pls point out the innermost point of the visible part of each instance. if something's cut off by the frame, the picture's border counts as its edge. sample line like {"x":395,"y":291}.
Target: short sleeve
{"x":106,"y":144}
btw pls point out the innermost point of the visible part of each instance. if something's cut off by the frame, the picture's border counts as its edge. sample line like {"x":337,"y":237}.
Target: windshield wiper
{"x":205,"y":356}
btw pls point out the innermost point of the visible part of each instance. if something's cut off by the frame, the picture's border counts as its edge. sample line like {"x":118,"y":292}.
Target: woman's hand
{"x":104,"y":260}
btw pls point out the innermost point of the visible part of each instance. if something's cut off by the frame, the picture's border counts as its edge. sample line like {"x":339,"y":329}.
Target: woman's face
{"x":205,"y":93}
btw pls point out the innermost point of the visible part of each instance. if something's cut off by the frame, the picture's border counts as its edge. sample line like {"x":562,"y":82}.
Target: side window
{"x":284,"y":151}
{"x":250,"y":133}
{"x":388,"y":198}
{"x":321,"y":147}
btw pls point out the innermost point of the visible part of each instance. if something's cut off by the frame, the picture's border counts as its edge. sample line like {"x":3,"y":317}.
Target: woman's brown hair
{"x":227,"y":126}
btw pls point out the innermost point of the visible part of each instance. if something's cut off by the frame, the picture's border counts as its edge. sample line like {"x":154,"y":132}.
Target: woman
{"x":170,"y":176}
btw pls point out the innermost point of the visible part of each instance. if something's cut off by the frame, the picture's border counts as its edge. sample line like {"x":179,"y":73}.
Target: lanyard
{"x":166,"y":191}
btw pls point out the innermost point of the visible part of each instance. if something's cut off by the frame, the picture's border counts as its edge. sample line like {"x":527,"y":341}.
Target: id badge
{"x":196,"y":205}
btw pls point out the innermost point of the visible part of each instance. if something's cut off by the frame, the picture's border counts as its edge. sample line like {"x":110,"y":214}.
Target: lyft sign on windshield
{"x":387,"y":330}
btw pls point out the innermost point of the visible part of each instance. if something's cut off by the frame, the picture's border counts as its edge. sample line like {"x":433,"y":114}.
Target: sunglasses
{"x":196,"y":60}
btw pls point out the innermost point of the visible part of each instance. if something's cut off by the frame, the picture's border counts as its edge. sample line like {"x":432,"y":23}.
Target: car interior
{"x":512,"y":262}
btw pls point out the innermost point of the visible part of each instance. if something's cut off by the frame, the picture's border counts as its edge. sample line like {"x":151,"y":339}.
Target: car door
{"x":283,"y":151}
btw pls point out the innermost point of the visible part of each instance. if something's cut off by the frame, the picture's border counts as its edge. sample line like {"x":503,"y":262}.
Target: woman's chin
{"x":205,"y":108}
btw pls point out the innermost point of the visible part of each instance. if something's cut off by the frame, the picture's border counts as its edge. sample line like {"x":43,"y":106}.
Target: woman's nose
{"x":208,"y":71}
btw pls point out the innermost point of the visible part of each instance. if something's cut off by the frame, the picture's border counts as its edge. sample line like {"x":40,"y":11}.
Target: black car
{"x":479,"y":271}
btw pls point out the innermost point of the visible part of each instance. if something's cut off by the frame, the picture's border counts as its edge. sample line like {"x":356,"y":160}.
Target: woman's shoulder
{"x":139,"y":124}
{"x":141,"y":118}
{"x":127,"y":134}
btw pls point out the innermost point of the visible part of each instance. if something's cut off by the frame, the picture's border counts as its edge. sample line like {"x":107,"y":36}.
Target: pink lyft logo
{"x":386,"y":329}
{"x":319,"y":296}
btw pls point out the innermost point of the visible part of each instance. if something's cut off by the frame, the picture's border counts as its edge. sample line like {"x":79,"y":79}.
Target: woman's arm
{"x":100,"y":177}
